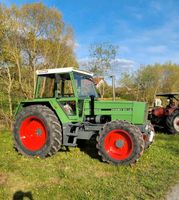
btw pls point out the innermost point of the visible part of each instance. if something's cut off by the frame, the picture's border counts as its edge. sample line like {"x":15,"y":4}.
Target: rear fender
{"x":51,"y":103}
{"x":169,"y":111}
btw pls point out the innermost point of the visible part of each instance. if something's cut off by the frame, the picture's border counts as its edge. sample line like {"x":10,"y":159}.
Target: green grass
{"x":80,"y":175}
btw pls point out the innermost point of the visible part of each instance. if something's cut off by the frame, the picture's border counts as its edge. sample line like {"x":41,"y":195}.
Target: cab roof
{"x":61,"y":71}
{"x":171,"y":94}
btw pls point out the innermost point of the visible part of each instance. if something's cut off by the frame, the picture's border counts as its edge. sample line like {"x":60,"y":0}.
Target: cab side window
{"x":64,"y":87}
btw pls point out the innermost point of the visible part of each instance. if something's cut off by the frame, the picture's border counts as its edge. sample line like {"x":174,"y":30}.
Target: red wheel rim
{"x":33,"y":134}
{"x":118,"y":144}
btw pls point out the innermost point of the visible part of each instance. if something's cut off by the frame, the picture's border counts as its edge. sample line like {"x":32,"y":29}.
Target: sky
{"x":146,"y":31}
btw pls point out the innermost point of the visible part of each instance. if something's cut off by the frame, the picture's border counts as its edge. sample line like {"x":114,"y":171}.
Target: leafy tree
{"x":101,"y":56}
{"x":149,"y":80}
{"x":31,"y":37}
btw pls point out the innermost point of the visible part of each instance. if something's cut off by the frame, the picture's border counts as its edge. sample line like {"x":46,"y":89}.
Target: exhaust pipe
{"x":113,"y":87}
{"x":92,"y":105}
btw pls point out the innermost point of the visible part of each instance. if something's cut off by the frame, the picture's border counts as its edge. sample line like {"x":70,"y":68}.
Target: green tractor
{"x":66,"y":109}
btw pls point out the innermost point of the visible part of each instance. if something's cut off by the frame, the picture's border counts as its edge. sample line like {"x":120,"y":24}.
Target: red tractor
{"x":166,"y":117}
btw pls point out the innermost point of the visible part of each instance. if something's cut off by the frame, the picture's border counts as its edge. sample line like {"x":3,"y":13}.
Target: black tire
{"x":172,"y":122}
{"x":120,"y":130}
{"x":37,"y":121}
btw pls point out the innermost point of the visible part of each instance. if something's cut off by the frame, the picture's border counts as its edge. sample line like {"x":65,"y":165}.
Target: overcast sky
{"x":146,"y":31}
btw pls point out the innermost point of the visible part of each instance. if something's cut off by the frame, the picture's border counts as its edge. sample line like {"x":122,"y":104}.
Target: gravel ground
{"x":174,"y":193}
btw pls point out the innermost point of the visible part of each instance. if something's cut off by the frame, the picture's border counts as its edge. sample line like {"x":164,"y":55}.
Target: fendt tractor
{"x":166,"y":117}
{"x":67,"y":109}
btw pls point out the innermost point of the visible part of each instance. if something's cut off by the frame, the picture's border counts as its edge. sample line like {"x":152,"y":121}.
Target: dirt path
{"x":174,"y":193}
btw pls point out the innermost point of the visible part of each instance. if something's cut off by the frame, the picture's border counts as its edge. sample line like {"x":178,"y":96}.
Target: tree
{"x":101,"y":56}
{"x":31,"y":37}
{"x":150,"y":80}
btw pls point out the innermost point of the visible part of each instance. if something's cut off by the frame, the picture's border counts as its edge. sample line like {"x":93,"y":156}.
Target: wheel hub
{"x":38,"y":132}
{"x":119,"y":143}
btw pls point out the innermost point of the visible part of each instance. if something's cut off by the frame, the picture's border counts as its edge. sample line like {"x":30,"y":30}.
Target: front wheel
{"x":37,"y":131}
{"x":120,"y":143}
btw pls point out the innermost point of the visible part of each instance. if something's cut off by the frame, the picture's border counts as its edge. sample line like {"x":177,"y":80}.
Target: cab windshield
{"x":85,"y":85}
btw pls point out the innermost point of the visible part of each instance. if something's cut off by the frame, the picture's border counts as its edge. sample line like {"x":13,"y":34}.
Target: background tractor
{"x":66,"y":109}
{"x":166,"y":117}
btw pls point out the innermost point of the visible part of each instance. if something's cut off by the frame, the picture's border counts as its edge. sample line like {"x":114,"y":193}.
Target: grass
{"x":79,"y":174}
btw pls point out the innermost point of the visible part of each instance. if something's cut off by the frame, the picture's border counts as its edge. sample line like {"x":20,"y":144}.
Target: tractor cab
{"x":69,"y":86}
{"x":171,"y":98}
{"x":64,"y":82}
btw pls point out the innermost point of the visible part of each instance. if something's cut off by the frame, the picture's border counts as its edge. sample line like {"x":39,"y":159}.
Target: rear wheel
{"x":37,"y":131}
{"x":172,"y":122}
{"x":120,"y":143}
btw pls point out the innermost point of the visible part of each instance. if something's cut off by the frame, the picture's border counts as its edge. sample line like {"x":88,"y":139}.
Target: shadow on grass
{"x":162,"y":130}
{"x":89,"y":147}
{"x":64,"y":149}
{"x":19,"y":195}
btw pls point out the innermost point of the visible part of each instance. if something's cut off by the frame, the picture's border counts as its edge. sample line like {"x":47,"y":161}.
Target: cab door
{"x":66,"y":96}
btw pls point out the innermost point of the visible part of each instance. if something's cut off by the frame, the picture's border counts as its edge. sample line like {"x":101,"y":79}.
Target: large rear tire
{"x":120,"y":143}
{"x":172,"y":122}
{"x":37,"y":131}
